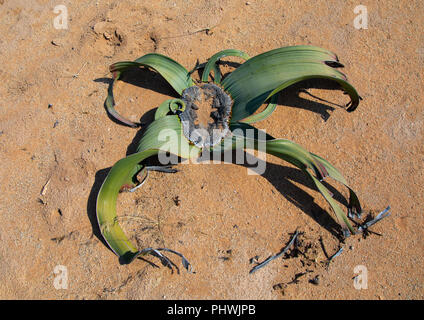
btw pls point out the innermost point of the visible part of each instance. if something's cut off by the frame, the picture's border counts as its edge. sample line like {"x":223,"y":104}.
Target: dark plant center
{"x":207,"y":114}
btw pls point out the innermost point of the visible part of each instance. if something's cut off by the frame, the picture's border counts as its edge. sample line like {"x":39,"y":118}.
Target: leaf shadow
{"x":284,"y":179}
{"x":290,"y":97}
{"x":148,"y":79}
{"x":140,"y":77}
{"x":145,"y":119}
{"x":92,"y":201}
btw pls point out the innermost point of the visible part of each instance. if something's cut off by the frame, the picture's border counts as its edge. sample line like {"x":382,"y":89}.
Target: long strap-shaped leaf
{"x":304,"y":160}
{"x":163,"y":134}
{"x":262,"y":76}
{"x":354,"y":203}
{"x":166,"y":134}
{"x":171,"y":105}
{"x":269,"y":109}
{"x":176,"y":75}
{"x":211,"y":65}
{"x":118,"y":176}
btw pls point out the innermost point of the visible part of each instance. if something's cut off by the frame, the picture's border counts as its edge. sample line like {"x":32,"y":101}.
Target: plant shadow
{"x":290,"y":97}
{"x":284,"y":179}
{"x":92,"y":201}
{"x":142,"y":78}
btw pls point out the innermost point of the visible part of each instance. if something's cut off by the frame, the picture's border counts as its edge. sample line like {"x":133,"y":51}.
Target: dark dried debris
{"x":282,"y":252}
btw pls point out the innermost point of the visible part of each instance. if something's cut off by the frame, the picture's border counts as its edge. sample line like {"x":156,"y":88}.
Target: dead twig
{"x":44,"y":189}
{"x":383,"y":214}
{"x":282,"y":252}
{"x":76,"y":75}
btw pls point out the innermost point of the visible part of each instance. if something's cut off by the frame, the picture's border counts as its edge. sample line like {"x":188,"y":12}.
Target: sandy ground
{"x":224,"y":216}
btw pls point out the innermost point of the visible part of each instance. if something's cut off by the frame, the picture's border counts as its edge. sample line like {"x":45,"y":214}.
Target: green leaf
{"x":110,"y":105}
{"x":211,"y":65}
{"x":163,"y":134}
{"x":264,"y":75}
{"x":303,"y":159}
{"x":171,"y":105}
{"x":341,"y":216}
{"x":296,"y":155}
{"x":112,"y":232}
{"x":258,"y":80}
{"x":166,"y":134}
{"x":269,"y":109}
{"x":299,"y":157}
{"x":176,"y":75}
{"x":354,"y":203}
